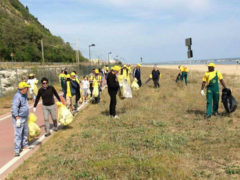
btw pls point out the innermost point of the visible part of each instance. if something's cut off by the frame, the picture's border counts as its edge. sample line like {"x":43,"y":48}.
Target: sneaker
{"x":47,"y":134}
{"x":55,"y":129}
{"x":17,"y":154}
{"x":116,"y":117}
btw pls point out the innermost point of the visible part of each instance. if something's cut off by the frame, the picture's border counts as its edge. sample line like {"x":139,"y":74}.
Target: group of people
{"x":73,"y":88}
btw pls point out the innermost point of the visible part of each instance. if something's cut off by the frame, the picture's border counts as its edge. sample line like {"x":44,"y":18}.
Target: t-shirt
{"x":208,"y":76}
{"x":31,"y":82}
{"x":85,"y":84}
{"x":184,"y":69}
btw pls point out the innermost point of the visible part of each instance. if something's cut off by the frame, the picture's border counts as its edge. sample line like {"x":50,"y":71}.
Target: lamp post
{"x":91,"y":45}
{"x":108,"y":57}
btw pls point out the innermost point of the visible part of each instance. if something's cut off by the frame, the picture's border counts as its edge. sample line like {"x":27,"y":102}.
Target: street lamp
{"x":91,"y":45}
{"x":108,"y":57}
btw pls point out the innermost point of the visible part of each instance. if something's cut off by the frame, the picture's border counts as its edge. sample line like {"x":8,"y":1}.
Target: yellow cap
{"x":139,"y":65}
{"x":23,"y":85}
{"x":116,"y":68}
{"x":211,"y":65}
{"x":107,"y":68}
{"x":31,"y":74}
{"x":96,"y":71}
{"x":68,"y":76}
{"x":73,"y":74}
{"x":124,"y":65}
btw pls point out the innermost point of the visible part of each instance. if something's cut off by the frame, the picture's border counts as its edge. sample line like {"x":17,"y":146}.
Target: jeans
{"x":20,"y":134}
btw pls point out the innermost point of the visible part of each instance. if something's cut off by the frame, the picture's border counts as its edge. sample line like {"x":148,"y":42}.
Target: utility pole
{"x":43,"y":60}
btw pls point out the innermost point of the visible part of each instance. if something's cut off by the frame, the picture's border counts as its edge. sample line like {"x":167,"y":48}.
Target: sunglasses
{"x":44,"y":83}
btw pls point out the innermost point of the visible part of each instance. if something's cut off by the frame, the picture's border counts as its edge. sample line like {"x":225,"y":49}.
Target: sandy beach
{"x":224,"y":69}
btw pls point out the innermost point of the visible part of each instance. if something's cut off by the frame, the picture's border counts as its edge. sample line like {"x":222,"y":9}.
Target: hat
{"x":107,"y":68}
{"x":96,"y":71}
{"x":124,"y":65}
{"x":73,"y":74}
{"x":23,"y":85}
{"x":139,"y":65}
{"x":116,"y":68}
{"x":211,"y":65}
{"x":68,"y":76}
{"x":31,"y":74}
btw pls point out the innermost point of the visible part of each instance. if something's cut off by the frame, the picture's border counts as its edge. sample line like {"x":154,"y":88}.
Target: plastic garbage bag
{"x":135,"y":85}
{"x":35,"y":89}
{"x":95,"y":91}
{"x":229,"y":102}
{"x":33,"y":129}
{"x":65,"y":116}
{"x":127,"y":91}
{"x":120,"y":80}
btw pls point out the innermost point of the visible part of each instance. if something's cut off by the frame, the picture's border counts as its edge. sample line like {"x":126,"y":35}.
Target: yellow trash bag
{"x":65,"y":116}
{"x":33,"y":129}
{"x":95,"y":89}
{"x":120,"y":80}
{"x":35,"y":89}
{"x":135,"y":85}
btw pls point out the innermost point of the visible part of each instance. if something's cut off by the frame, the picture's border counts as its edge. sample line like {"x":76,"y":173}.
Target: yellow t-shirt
{"x":69,"y":94}
{"x":61,"y":75}
{"x":208,"y":76}
{"x":184,"y":69}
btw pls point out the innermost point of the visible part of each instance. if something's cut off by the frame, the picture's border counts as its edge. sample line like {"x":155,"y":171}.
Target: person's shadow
{"x":196,"y":112}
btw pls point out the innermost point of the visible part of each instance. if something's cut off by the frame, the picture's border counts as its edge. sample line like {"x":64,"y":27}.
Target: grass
{"x":161,"y":135}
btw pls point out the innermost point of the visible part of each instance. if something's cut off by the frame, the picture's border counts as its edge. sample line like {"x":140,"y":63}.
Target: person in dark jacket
{"x":47,"y":93}
{"x":156,"y":77}
{"x":71,"y":89}
{"x":137,"y":74}
{"x":113,"y":87}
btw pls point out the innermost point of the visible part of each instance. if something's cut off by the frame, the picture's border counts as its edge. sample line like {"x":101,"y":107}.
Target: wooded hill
{"x":21,"y":34}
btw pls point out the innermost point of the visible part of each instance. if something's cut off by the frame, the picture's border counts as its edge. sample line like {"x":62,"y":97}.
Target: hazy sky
{"x":152,"y":29}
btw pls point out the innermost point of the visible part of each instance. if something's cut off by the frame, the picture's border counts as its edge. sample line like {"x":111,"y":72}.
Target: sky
{"x":152,"y":29}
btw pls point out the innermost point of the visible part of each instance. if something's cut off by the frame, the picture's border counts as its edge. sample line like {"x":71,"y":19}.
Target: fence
{"x":9,"y":78}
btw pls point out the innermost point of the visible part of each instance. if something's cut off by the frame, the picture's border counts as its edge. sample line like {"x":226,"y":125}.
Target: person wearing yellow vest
{"x":91,"y":78}
{"x":61,"y":78}
{"x":71,"y":88}
{"x":210,"y":80}
{"x":124,"y":72}
{"x":77,"y":83}
{"x":97,"y":79}
{"x":184,"y":73}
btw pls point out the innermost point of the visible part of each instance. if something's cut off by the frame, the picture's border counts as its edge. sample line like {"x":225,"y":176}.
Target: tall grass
{"x":161,"y":134}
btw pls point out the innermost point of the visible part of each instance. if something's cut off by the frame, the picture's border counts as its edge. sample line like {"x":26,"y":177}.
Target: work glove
{"x":34,"y":110}
{"x":202,"y":93}
{"x":18,"y":123}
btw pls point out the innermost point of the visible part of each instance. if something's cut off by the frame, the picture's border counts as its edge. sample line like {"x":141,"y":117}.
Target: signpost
{"x":188,"y":43}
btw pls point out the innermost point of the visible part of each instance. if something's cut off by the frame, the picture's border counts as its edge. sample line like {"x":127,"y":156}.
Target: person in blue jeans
{"x":20,"y":112}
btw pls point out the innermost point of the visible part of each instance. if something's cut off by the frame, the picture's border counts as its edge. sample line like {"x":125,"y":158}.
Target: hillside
{"x":21,"y":33}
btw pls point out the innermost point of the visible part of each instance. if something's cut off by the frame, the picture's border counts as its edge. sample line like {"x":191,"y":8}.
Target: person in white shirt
{"x":85,"y":88}
{"x":32,"y":81}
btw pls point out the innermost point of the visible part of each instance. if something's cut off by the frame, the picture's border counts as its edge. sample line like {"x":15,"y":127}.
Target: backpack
{"x":229,"y":102}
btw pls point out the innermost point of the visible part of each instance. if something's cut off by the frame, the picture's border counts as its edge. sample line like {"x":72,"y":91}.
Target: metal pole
{"x":43,"y":60}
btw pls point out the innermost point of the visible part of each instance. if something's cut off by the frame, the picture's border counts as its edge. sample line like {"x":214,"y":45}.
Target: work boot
{"x":207,"y":116}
